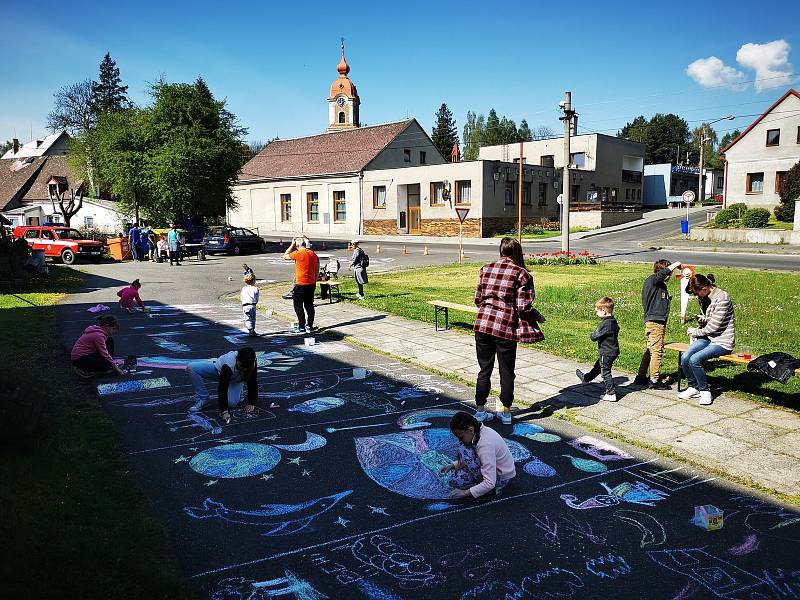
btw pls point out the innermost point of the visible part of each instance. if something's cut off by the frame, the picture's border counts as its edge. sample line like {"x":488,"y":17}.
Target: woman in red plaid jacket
{"x":504,"y":297}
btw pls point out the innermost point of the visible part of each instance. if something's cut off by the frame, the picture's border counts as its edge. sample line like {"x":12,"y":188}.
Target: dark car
{"x":233,"y":240}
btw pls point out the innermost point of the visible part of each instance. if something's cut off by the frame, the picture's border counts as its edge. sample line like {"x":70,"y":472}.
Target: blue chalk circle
{"x":518,"y":451}
{"x":537,"y":468}
{"x":231,"y":461}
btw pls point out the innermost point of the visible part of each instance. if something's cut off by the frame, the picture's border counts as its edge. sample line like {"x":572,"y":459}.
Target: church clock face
{"x":340,"y":100}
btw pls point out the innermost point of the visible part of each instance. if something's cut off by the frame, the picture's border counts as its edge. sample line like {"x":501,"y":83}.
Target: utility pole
{"x":701,"y":188}
{"x":569,"y":113}
{"x":519,"y":198}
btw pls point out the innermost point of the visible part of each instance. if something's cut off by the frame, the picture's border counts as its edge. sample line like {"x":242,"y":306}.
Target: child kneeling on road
{"x":231,"y":372}
{"x":484,"y":461}
{"x":607,"y":337}
{"x":129,"y":297}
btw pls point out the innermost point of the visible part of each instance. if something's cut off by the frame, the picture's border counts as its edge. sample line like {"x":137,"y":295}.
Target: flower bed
{"x":562,"y":258}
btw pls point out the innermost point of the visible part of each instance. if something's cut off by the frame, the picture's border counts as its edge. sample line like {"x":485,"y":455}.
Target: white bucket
{"x":310,"y":341}
{"x":359,"y":373}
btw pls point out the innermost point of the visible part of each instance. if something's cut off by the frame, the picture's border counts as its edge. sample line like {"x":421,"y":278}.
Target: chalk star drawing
{"x":236,"y":460}
{"x":181,"y":458}
{"x":313,"y":442}
{"x":211,"y":482}
{"x":348,"y":506}
{"x":280,"y":519}
{"x":247,"y":589}
{"x":271,"y":438}
{"x":267,"y":476}
{"x":377,"y":510}
{"x":635,"y":493}
{"x":342,"y":521}
{"x":295,"y":461}
{"x":306,"y":473}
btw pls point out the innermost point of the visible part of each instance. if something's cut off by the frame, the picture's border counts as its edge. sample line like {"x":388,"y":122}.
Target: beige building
{"x":757,"y":161}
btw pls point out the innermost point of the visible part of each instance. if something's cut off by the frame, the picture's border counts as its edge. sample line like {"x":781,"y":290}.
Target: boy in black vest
{"x":607,"y":337}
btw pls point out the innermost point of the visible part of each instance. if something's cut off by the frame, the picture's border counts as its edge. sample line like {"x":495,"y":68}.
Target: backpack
{"x":364,"y":259}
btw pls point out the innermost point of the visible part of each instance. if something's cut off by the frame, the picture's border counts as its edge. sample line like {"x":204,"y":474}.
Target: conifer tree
{"x":444,"y":133}
{"x":109,"y":95}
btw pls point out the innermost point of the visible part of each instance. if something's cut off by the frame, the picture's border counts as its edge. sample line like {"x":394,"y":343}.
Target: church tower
{"x":343,"y":102}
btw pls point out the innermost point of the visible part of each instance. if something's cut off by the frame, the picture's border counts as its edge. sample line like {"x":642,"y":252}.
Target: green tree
{"x":790,"y":193}
{"x":524,"y":132}
{"x":492,"y":134}
{"x":108,"y":94}
{"x":445,"y":133}
{"x":728,"y":138}
{"x":473,"y":135}
{"x":711,"y":159}
{"x":662,"y":136}
{"x":636,"y":130}
{"x":543,"y":132}
{"x":6,"y":147}
{"x":508,"y":131}
{"x":72,"y":109}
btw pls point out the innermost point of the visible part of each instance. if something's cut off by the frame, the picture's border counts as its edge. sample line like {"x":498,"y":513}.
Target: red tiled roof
{"x":15,"y":177}
{"x":54,"y":166}
{"x":792,"y":91}
{"x":347,"y":151}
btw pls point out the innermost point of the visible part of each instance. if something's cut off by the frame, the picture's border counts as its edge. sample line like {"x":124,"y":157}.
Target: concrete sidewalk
{"x":740,"y":438}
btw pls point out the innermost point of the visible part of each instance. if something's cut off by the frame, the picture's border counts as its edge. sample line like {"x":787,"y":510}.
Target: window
{"x":339,"y":207}
{"x":422,"y":158}
{"x":773,"y":137}
{"x":32,"y":234}
{"x":286,"y":207}
{"x":755,"y":183}
{"x":526,"y":194}
{"x":639,"y":194}
{"x":548,"y":160}
{"x":780,"y":181}
{"x":407,"y":155}
{"x":578,"y":159}
{"x":464,"y":192}
{"x":312,"y":207}
{"x":542,"y":193}
{"x":524,"y":161}
{"x":88,"y":222}
{"x":509,"y":194}
{"x":720,"y":181}
{"x":437,"y":193}
{"x":379,"y":196}
{"x":47,"y":235}
{"x":342,"y":117}
{"x":627,"y":194}
{"x":798,"y":134}
{"x":574,"y":193}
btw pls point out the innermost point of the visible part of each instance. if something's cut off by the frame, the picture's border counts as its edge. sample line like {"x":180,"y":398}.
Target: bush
{"x":785,"y":212}
{"x":755,"y":217}
{"x":726,"y":217}
{"x":790,"y":191}
{"x":561,"y":258}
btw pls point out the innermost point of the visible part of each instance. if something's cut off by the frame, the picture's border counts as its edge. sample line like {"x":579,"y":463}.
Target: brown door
{"x":414,"y":218}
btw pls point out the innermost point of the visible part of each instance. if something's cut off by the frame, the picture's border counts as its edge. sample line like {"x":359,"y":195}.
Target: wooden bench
{"x":331,"y":284}
{"x":681,"y":347}
{"x":442,"y":306}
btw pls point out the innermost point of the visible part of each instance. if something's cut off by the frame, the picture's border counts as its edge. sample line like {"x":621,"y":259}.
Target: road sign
{"x":462,"y":213}
{"x":560,"y":198}
{"x":688,"y":196}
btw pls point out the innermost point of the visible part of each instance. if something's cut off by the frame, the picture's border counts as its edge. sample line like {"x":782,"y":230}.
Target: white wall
{"x":533,"y":151}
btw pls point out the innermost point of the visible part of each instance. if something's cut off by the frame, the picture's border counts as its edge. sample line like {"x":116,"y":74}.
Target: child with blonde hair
{"x":249,"y":297}
{"x":607,"y":337}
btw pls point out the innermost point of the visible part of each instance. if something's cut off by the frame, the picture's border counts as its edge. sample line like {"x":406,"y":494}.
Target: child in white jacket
{"x":249,"y":297}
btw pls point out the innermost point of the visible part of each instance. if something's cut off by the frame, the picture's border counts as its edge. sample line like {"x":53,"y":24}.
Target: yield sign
{"x":462,"y":213}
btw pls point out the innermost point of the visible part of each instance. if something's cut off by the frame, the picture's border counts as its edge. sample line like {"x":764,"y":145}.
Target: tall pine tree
{"x":445,"y":133}
{"x":524,"y":132}
{"x":109,"y":95}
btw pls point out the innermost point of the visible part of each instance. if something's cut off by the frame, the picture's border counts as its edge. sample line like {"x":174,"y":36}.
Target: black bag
{"x":364,"y":259}
{"x":776,"y":365}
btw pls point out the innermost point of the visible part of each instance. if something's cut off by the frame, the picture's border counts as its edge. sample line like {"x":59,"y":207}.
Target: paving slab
{"x":684,"y":412}
{"x":655,"y":428}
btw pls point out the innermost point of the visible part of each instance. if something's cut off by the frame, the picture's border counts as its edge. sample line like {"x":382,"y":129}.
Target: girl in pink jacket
{"x":129,"y":296}
{"x":93,"y":353}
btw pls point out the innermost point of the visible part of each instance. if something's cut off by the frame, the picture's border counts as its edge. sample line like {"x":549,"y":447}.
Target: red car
{"x":60,"y":242}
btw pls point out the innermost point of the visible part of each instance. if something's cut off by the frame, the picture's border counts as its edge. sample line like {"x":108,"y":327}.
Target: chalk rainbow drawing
{"x":408,"y":462}
{"x":136,"y":385}
{"x":634,"y":493}
{"x":417,"y":418}
{"x":280,"y":519}
{"x":537,"y":468}
{"x":231,"y":461}
{"x":599,"y":449}
{"x":313,"y":442}
{"x":587,"y":465}
{"x":316,"y":405}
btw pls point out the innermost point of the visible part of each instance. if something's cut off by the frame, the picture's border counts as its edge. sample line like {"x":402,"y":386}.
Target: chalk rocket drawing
{"x":313,"y":442}
{"x":599,"y":449}
{"x":587,"y":465}
{"x":231,"y":461}
{"x":316,"y":405}
{"x":136,"y":385}
{"x":417,"y":419}
{"x":408,"y":462}
{"x":171,"y":345}
{"x":537,"y":468}
{"x":278,"y":519}
{"x":534,"y":432}
{"x":634,"y":493}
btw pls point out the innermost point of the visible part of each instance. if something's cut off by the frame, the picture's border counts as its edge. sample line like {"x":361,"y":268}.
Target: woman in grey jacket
{"x":714,"y":337}
{"x":359,"y":268}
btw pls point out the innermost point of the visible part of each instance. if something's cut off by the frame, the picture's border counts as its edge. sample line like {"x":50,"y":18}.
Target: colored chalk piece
{"x":708,"y":517}
{"x":121,"y":387}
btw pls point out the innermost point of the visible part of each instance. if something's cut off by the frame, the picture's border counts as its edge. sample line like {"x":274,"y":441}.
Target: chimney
{"x":39,"y":143}
{"x":455,"y":155}
{"x":16,"y":145}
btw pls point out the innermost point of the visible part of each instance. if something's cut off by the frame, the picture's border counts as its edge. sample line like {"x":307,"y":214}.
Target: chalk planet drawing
{"x":587,"y":465}
{"x":518,"y":452}
{"x":418,"y":418}
{"x":537,"y":468}
{"x":231,"y":461}
{"x":313,"y":442}
{"x":316,"y":405}
{"x":136,"y":385}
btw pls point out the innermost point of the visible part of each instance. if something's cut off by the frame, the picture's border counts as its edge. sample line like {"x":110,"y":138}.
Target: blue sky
{"x":274,"y":62}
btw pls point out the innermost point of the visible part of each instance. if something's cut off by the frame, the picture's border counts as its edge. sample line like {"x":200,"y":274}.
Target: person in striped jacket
{"x":504,"y":298}
{"x":714,"y":337}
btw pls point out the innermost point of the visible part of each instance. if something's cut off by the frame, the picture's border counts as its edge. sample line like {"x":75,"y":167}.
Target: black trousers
{"x":303,"y":298}
{"x":486,"y":347}
{"x":602,"y":366}
{"x":95,"y":362}
{"x":175,"y":255}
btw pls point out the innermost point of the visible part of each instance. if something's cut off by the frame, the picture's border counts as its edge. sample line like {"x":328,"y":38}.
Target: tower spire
{"x":343,"y":68}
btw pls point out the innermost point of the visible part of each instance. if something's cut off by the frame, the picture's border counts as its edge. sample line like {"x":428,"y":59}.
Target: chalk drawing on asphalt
{"x":316,"y":405}
{"x":599,"y":449}
{"x":749,"y":545}
{"x":538,"y":468}
{"x":302,"y":385}
{"x":239,"y":588}
{"x":518,"y":452}
{"x":171,"y":345}
{"x":484,"y":571}
{"x":455,"y":559}
{"x":277,"y":519}
{"x":419,"y":418}
{"x":370,"y":401}
{"x":232,"y":461}
{"x":550,"y":583}
{"x":534,"y":432}
{"x":649,"y":528}
{"x":135,"y":385}
{"x":608,"y":566}
{"x":633,"y":493}
{"x":672,"y":479}
{"x":586,"y":465}
{"x":313,"y":441}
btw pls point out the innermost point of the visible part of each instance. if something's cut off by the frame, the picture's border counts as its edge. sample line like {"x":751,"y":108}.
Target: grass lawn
{"x":75,"y":524}
{"x":775,"y":224}
{"x":767,"y":313}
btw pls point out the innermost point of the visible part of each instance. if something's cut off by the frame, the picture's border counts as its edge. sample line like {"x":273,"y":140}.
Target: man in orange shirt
{"x":306,"y":271}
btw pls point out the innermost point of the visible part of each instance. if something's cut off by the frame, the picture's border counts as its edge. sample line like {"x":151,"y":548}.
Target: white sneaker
{"x":360,"y":297}
{"x":705,"y":398}
{"x":688,"y":393}
{"x":610,"y":397}
{"x":198,"y":405}
{"x":482,"y":416}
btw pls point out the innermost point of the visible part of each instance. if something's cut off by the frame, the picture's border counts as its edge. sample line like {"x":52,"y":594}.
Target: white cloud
{"x":770,"y":61}
{"x":711,"y":72}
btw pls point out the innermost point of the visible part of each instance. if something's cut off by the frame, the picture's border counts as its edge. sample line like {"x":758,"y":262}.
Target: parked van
{"x":64,"y":243}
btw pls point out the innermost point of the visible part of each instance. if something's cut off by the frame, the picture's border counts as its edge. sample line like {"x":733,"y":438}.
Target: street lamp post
{"x":701,"y":187}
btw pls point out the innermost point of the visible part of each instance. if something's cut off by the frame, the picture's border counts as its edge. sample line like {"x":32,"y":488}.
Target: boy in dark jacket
{"x":655,"y":304}
{"x":607,"y":337}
